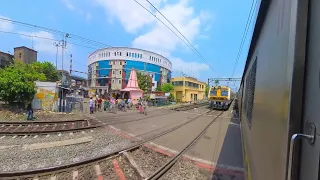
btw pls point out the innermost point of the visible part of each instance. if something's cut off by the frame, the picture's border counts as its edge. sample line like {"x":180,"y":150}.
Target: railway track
{"x":93,"y":167}
{"x":188,"y":107}
{"x":23,"y":128}
{"x":46,"y":127}
{"x":114,"y":119}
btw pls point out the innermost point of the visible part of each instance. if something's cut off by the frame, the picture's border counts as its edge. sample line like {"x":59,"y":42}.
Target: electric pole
{"x":70,"y":64}
{"x":57,"y":46}
{"x":64,"y":46}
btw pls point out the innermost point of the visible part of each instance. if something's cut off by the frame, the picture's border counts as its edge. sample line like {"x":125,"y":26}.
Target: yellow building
{"x":188,"y":89}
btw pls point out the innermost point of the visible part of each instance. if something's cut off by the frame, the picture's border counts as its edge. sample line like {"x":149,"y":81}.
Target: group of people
{"x":111,"y":102}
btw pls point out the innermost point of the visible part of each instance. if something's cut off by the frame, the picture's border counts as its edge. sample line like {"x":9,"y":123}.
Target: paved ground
{"x":219,"y":147}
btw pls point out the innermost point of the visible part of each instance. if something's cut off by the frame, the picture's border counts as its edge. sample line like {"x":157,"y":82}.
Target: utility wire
{"x":45,"y":38}
{"x":89,"y":41}
{"x":244,"y":36}
{"x":35,"y":36}
{"x":189,"y":45}
{"x":192,"y":47}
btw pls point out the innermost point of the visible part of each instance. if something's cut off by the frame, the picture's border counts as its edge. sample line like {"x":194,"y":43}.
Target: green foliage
{"x":17,"y":82}
{"x":216,"y":82}
{"x":48,"y":69}
{"x":158,"y":88}
{"x":171,"y":97}
{"x":167,"y":87}
{"x":144,"y":81}
{"x":207,"y":90}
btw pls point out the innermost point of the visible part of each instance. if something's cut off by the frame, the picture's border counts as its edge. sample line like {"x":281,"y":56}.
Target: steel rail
{"x":32,"y":173}
{"x":40,"y":122}
{"x":166,"y":167}
{"x":47,"y":130}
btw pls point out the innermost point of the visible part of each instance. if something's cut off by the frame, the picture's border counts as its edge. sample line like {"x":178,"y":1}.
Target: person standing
{"x":30,"y":112}
{"x":91,"y":105}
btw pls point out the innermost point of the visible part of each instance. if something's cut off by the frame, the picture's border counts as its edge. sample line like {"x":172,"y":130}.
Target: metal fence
{"x":74,"y":103}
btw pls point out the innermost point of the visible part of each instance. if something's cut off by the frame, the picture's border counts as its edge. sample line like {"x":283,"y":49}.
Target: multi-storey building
{"x":188,"y":89}
{"x":109,"y":68}
{"x":25,"y":54}
{"x":5,"y":59}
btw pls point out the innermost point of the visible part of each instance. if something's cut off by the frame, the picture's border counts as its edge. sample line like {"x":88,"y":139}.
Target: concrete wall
{"x":46,"y":96}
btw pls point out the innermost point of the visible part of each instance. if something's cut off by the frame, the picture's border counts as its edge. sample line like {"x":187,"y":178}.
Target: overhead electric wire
{"x":45,"y":38}
{"x":189,"y":45}
{"x":244,"y":36}
{"x":181,"y":35}
{"x":58,"y":32}
{"x":40,"y":37}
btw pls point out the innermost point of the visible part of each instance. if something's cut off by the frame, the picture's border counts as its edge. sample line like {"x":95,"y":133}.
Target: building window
{"x":150,"y":58}
{"x":112,"y":72}
{"x":127,"y":53}
{"x":112,"y":81}
{"x":115,"y":53}
{"x":109,"y":54}
{"x":120,"y":72}
{"x":178,"y":83}
{"x":120,"y":54}
{"x":119,"y":81}
{"x":140,"y":56}
{"x":120,"y":63}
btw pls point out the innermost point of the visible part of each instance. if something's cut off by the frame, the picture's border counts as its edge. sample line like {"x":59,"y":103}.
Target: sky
{"x":215,"y":28}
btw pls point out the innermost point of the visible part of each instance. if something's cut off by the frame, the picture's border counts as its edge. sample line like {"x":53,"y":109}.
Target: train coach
{"x":220,"y":97}
{"x":279,"y":93}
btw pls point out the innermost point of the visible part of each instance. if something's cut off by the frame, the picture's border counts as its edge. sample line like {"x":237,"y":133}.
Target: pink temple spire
{"x":133,"y":82}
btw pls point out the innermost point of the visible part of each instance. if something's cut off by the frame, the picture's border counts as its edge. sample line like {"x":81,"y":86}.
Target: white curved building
{"x":110,"y":68}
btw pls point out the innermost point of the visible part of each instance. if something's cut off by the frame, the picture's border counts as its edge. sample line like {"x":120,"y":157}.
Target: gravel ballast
{"x":30,"y":139}
{"x":185,"y":169}
{"x":17,"y":159}
{"x":149,"y":161}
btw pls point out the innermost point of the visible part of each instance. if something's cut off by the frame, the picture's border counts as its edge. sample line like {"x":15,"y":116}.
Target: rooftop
{"x":111,"y":47}
{"x":6,"y":53}
{"x":187,"y":77}
{"x":23,"y":47}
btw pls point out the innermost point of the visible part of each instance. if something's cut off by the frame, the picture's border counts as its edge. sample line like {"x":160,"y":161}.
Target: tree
{"x":167,"y":87}
{"x":144,"y":81}
{"x":171,"y":97}
{"x":207,"y":90}
{"x":48,"y":69}
{"x":17,"y":82}
{"x":216,"y":82}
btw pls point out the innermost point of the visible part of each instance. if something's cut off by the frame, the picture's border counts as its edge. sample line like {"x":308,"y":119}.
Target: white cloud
{"x":41,"y":44}
{"x":5,"y":25}
{"x":130,"y":14}
{"x":156,"y":36}
{"x":68,"y":4}
{"x":88,"y":16}
{"x":189,"y":68}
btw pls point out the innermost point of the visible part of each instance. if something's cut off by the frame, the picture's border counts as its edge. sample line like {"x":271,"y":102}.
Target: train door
{"x":310,"y":148}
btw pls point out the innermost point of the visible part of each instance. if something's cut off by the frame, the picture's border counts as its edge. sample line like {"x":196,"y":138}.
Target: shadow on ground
{"x":230,"y":161}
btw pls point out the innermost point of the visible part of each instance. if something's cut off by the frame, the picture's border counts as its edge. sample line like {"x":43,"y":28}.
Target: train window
{"x":249,"y":94}
{"x":224,"y":93}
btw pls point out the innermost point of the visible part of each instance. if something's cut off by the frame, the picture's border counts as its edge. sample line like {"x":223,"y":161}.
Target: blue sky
{"x":215,"y":28}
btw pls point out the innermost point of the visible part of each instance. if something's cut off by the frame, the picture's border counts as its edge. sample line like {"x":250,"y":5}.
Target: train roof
{"x":263,"y":11}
